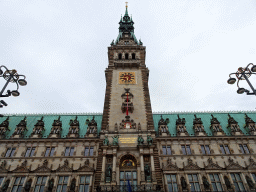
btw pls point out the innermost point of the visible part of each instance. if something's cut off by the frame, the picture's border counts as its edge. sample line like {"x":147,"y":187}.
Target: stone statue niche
{"x":180,"y":127}
{"x":198,"y":127}
{"x":4,"y":128}
{"x":147,"y":172}
{"x":38,"y":129}
{"x":92,"y":130}
{"x":20,"y":129}
{"x":109,"y":168}
{"x":250,"y":125}
{"x":126,"y":101}
{"x":74,"y":128}
{"x":216,"y":127}
{"x":233,"y":126}
{"x":162,"y":127}
{"x":56,"y":129}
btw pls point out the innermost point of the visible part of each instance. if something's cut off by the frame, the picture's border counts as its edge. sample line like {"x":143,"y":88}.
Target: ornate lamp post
{"x":243,"y":74}
{"x":13,"y":77}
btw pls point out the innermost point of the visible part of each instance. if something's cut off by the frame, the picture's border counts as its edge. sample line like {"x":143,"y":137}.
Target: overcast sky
{"x":192,"y":46}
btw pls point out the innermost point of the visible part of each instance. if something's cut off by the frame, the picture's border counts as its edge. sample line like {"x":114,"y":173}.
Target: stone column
{"x":46,"y":183}
{"x":247,"y":188}
{"x":24,"y":183}
{"x":222,"y":182}
{"x":152,"y":166}
{"x":114,"y":169}
{"x":231,"y":181}
{"x":103,"y":168}
{"x":33,"y":184}
{"x":12,"y":180}
{"x":142,"y":168}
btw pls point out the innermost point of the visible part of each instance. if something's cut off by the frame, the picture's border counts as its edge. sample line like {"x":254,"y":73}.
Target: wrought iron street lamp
{"x":243,"y":74}
{"x":13,"y":77}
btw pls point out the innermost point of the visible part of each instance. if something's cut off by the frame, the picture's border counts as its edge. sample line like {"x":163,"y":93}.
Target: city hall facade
{"x":127,"y":148}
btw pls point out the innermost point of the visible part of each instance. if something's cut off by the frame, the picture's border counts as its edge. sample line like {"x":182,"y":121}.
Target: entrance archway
{"x":128,"y":170}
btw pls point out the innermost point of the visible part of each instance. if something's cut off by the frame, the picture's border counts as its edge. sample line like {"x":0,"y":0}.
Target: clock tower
{"x":128,"y":136}
{"x":127,"y":70}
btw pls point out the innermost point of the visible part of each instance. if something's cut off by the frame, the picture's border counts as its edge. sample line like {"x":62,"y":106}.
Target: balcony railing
{"x":124,"y":188}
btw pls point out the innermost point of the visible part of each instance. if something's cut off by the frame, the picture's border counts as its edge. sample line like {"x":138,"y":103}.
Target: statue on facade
{"x":106,"y":141}
{"x":73,"y":185}
{"x":183,"y":183}
{"x":109,"y":173}
{"x":115,"y":140}
{"x":206,"y":183}
{"x":5,"y":186}
{"x":250,"y":182}
{"x":147,"y":172}
{"x":28,"y":186}
{"x":140,"y":140}
{"x":149,"y":140}
{"x":227,"y":182}
{"x":51,"y":184}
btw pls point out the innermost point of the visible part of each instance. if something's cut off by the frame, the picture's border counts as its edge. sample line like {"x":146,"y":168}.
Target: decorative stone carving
{"x":250,"y":125}
{"x":140,"y":140}
{"x":115,"y":140}
{"x":92,"y":130}
{"x":227,"y":182}
{"x":191,"y":165}
{"x":162,"y":127}
{"x":127,"y":101}
{"x":233,"y":126}
{"x":38,"y":129}
{"x":149,"y":140}
{"x":74,"y":128}
{"x":22,"y":168}
{"x":232,"y":165}
{"x":198,"y":127}
{"x":56,"y":129}
{"x":206,"y":184}
{"x":212,"y":166}
{"x":106,"y":141}
{"x":180,"y":127}
{"x":73,"y":185}
{"x":65,"y":167}
{"x":4,"y":126}
{"x":216,"y":127}
{"x":170,"y":166}
{"x":5,"y":186}
{"x":127,"y":123}
{"x":20,"y":129}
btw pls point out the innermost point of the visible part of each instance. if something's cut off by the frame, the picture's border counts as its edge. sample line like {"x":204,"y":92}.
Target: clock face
{"x":127,"y":78}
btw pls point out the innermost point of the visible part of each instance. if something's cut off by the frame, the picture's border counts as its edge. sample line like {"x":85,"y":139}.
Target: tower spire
{"x":126,"y":10}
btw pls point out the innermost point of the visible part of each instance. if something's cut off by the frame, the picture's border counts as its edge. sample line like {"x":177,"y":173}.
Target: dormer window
{"x":133,"y":56}
{"x":120,"y":56}
{"x":126,"y":56}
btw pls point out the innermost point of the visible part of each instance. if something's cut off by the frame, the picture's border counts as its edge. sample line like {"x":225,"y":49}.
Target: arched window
{"x":120,"y":56}
{"x":133,"y":56}
{"x":126,"y":56}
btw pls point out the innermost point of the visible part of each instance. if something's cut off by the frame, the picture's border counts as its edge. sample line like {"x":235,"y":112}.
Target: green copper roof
{"x":48,"y":119}
{"x":126,"y":25}
{"x":222,"y":117}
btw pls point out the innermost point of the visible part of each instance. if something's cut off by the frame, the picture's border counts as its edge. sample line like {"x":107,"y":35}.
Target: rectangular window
{"x":40,"y":183}
{"x":216,"y":184}
{"x":224,"y":149}
{"x":164,"y":150}
{"x":49,"y":151}
{"x":194,"y":183}
{"x":17,"y":186}
{"x":1,"y":180}
{"x":88,"y":151}
{"x":69,"y":151}
{"x":244,"y":149}
{"x":91,"y":151}
{"x":239,"y":186}
{"x":186,"y":149}
{"x":172,"y":183}
{"x":10,"y":152}
{"x":62,"y":184}
{"x":30,"y":151}
{"x":205,"y":149}
{"x":84,"y":183}
{"x":167,"y":150}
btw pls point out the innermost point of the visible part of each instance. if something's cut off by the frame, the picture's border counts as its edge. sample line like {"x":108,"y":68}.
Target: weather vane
{"x":126,"y":4}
